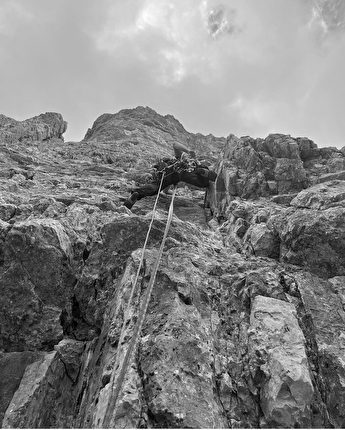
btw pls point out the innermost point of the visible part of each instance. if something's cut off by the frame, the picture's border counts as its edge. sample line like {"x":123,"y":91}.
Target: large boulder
{"x":37,"y":283}
{"x":278,"y":343}
{"x":312,"y":231}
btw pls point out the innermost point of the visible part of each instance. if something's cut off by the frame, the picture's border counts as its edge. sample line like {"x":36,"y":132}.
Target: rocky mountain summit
{"x":40,"y":128}
{"x":245,"y":327}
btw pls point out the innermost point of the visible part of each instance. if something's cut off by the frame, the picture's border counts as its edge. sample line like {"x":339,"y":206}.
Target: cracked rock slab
{"x":278,"y":354}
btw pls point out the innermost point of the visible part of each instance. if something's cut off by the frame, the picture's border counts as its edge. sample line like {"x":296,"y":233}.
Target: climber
{"x":181,"y":168}
{"x":180,"y":149}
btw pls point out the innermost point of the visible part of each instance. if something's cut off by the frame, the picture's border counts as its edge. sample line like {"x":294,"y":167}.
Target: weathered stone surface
{"x":324,"y":302}
{"x":278,"y":342}
{"x":37,"y":400}
{"x":12,"y":367}
{"x":98,"y":368}
{"x":323,"y":196}
{"x":37,"y":283}
{"x":309,"y":232}
{"x":152,"y":135}
{"x":42,"y":127}
{"x":70,"y":352}
{"x":7,"y":210}
{"x":264,"y":239}
{"x":261,"y":241}
{"x":313,"y":239}
{"x":251,"y":168}
{"x":177,"y":351}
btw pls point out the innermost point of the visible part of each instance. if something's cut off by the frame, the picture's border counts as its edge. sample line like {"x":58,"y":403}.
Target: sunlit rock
{"x":276,"y":339}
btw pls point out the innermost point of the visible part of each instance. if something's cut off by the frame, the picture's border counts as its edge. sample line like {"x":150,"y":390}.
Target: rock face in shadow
{"x":245,"y":326}
{"x":38,"y":282}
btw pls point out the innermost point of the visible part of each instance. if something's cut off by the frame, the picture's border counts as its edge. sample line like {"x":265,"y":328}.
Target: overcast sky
{"x":247,"y":67}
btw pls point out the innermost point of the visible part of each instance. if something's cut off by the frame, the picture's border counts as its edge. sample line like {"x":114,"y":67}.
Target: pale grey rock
{"x":275,"y":336}
{"x":313,"y":239}
{"x":152,"y":135}
{"x":7,"y":211}
{"x":174,"y":349}
{"x":194,"y":344}
{"x":12,"y":367}
{"x":70,"y":352}
{"x":240,"y":227}
{"x":329,"y":177}
{"x":250,"y":168}
{"x":39,"y":128}
{"x":261,"y":241}
{"x":323,"y":196}
{"x":35,"y":403}
{"x":307,"y":148}
{"x":278,"y":166}
{"x":324,"y":304}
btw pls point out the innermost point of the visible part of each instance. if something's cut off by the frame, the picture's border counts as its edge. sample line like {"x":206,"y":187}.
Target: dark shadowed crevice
{"x":320,"y":415}
{"x":76,"y":326}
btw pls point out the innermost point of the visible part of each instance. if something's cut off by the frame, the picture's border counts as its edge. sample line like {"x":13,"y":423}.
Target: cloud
{"x":12,"y":15}
{"x":219,"y":66}
{"x":220,"y":21}
{"x":329,"y":15}
{"x":177,"y":39}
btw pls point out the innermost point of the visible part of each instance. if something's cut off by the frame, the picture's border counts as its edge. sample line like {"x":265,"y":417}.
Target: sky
{"x":243,"y":67}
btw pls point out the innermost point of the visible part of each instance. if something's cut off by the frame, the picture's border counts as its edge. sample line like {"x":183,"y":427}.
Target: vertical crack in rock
{"x":275,"y":336}
{"x":176,"y":351}
{"x":323,"y":345}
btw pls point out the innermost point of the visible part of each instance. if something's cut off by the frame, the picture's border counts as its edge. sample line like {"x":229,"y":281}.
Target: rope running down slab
{"x":111,"y":409}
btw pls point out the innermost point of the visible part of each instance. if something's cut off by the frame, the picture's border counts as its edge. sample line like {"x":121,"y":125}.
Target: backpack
{"x":172,"y":165}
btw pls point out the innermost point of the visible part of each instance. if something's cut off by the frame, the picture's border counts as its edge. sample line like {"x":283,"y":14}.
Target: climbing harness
{"x":168,"y":166}
{"x":111,"y":408}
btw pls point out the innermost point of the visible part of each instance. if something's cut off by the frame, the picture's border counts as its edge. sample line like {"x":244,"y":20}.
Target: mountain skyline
{"x":241,"y":67}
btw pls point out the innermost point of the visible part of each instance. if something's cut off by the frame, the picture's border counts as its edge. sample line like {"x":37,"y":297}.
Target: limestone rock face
{"x":35,"y":403}
{"x":149,"y":134}
{"x":278,"y":342}
{"x":313,"y":238}
{"x":37,"y":283}
{"x":245,"y":326}
{"x":252,"y":168}
{"x":12,"y":368}
{"x":39,"y":128}
{"x":324,"y":302}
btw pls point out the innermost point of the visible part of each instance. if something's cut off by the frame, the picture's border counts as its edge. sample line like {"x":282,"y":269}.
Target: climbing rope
{"x":111,"y":408}
{"x":141,"y":261}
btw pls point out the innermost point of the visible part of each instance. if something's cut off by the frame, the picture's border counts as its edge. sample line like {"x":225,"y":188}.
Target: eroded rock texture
{"x":245,"y":327}
{"x":39,"y":128}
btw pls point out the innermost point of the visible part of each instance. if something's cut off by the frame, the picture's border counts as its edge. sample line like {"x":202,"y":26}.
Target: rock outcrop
{"x":245,"y":327}
{"x":39,"y":128}
{"x":141,"y":131}
{"x":283,"y":198}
